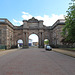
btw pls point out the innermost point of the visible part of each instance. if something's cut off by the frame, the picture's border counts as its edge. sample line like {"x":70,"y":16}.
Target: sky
{"x":34,"y":38}
{"x":47,"y":10}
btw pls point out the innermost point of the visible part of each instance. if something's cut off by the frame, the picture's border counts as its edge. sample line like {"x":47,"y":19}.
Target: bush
{"x":61,"y":46}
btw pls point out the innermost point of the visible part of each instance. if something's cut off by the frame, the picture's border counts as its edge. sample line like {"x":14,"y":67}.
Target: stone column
{"x":25,"y":34}
{"x":25,"y":40}
{"x":41,"y":40}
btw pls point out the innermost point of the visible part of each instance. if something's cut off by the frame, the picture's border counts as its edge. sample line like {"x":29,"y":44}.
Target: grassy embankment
{"x":71,"y":49}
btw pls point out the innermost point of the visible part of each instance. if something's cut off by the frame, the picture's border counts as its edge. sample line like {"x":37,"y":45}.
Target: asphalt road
{"x":36,"y":61}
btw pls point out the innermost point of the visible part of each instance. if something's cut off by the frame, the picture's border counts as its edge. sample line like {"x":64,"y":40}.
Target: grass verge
{"x":2,"y":50}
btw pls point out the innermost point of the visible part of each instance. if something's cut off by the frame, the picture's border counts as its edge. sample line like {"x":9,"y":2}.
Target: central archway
{"x":33,"y":26}
{"x":33,"y":40}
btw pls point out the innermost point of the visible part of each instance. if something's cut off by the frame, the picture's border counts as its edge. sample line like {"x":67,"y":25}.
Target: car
{"x":48,"y":47}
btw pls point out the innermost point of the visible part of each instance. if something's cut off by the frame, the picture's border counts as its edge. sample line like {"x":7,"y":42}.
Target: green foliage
{"x":69,"y":29}
{"x":46,"y":42}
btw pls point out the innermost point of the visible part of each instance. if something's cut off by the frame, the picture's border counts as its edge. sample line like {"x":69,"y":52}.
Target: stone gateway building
{"x":10,"y":34}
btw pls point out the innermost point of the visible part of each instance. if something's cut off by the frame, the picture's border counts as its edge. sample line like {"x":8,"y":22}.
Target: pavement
{"x":35,"y":61}
{"x":3,"y":52}
{"x":66,"y":52}
{"x":63,"y":51}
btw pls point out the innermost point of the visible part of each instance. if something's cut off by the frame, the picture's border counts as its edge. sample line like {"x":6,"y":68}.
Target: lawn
{"x":73,"y":49}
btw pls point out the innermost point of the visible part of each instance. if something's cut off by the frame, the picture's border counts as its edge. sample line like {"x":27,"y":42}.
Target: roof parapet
{"x":58,"y":22}
{"x":6,"y":21}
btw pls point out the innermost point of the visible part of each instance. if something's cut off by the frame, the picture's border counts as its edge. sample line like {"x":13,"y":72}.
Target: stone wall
{"x":18,"y":34}
{"x":10,"y":37}
{"x":3,"y":38}
{"x":6,"y":35}
{"x":10,"y":34}
{"x":56,"y":35}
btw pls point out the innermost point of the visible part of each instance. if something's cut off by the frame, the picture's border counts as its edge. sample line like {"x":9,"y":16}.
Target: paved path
{"x":36,"y":61}
{"x":3,"y":52}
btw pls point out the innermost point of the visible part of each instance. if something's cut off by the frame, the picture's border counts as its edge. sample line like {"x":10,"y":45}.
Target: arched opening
{"x":46,"y":42}
{"x":33,"y":40}
{"x":20,"y":43}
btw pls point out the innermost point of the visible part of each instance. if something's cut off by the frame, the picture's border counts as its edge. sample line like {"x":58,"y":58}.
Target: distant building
{"x":30,"y":42}
{"x":35,"y":43}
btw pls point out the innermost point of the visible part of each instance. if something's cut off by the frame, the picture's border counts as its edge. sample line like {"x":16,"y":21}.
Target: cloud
{"x":17,"y":23}
{"x":15,"y":20}
{"x":48,"y":20}
{"x":26,"y":16}
{"x":20,"y":22}
{"x":25,"y":13}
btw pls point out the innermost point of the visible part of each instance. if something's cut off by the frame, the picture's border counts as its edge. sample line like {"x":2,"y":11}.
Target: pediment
{"x":33,"y":20}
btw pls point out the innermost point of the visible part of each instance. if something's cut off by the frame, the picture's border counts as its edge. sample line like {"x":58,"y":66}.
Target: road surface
{"x":34,"y":61}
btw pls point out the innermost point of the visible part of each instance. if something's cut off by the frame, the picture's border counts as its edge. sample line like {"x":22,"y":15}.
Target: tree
{"x":69,"y":28}
{"x":46,"y":42}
